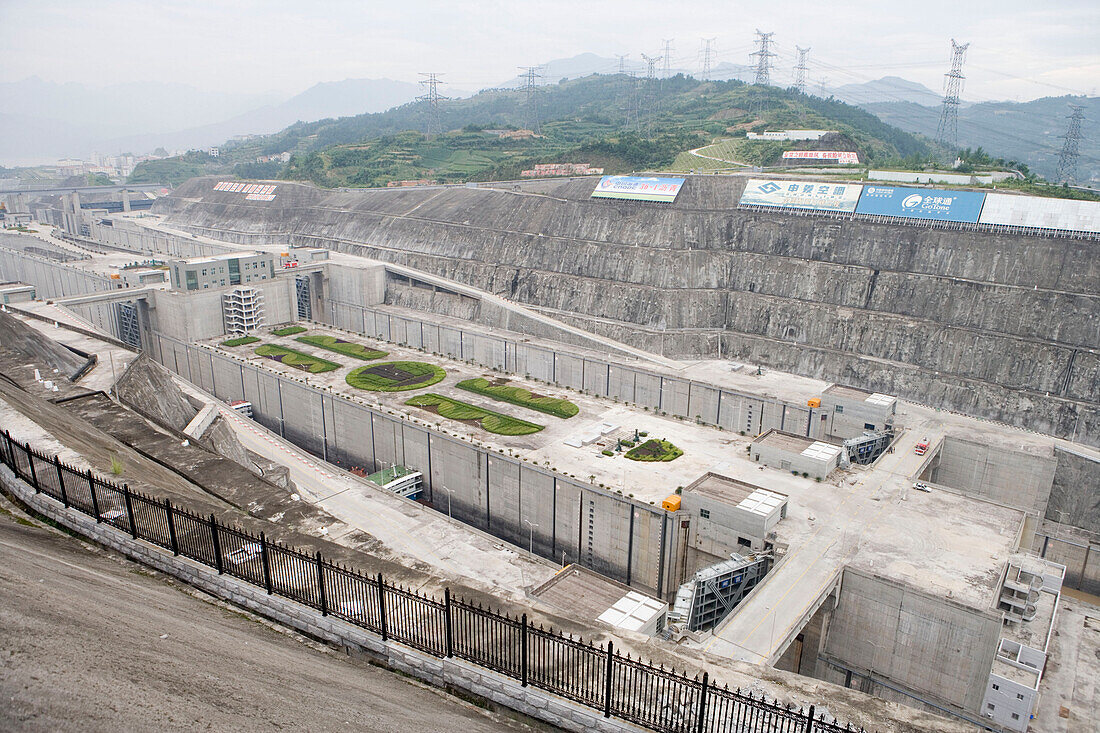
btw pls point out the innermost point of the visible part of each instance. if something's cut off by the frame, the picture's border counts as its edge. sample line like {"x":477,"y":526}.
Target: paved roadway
{"x":795,"y":588}
{"x":92,"y":642}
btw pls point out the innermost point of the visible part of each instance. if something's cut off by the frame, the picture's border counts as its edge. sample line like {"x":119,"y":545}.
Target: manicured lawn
{"x":520,"y":396}
{"x":347,"y":348}
{"x":494,"y":422}
{"x":296,"y":359}
{"x":654,"y":449}
{"x":240,"y":341}
{"x":289,"y":330}
{"x":395,"y":376}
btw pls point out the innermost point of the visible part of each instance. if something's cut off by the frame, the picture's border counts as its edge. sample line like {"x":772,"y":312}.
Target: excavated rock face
{"x":24,"y":343}
{"x":149,"y":388}
{"x":992,"y":324}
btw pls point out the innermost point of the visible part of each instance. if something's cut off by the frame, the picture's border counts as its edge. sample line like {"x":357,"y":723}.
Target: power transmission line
{"x":667,"y":56}
{"x":707,"y":51}
{"x":651,"y":62}
{"x":764,"y":54}
{"x":531,"y":112}
{"x":1067,"y":161}
{"x":948,"y":130}
{"x":433,"y":98}
{"x":801,"y":69}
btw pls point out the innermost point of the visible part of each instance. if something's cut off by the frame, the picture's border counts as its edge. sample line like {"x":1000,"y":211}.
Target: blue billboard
{"x":921,"y":203}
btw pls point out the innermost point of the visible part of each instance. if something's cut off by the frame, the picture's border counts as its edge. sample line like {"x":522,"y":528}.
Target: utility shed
{"x":14,"y":292}
{"x":848,"y":412}
{"x":729,"y":516}
{"x":790,"y":452}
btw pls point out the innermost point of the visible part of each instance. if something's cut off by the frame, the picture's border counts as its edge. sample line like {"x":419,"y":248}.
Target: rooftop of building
{"x":859,"y":395}
{"x":222,"y":257}
{"x":737,"y":493}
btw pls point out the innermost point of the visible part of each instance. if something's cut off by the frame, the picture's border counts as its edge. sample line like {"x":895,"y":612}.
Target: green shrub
{"x":494,"y":422}
{"x":608,"y":452}
{"x":520,"y":396}
{"x":240,"y":341}
{"x":347,"y":348}
{"x":654,"y":450}
{"x":289,"y":330}
{"x":296,"y":359}
{"x":395,"y":376}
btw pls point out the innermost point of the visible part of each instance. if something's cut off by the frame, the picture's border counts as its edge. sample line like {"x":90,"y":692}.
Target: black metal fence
{"x":598,"y":677}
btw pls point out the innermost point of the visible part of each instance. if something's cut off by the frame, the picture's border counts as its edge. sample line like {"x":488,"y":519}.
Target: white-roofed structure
{"x":727,"y":516}
{"x":635,"y":612}
{"x":796,"y":453}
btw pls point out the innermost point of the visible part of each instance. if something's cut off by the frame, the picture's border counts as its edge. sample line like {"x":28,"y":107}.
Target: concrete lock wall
{"x":841,"y":300}
{"x":441,"y":672}
{"x":51,"y":279}
{"x":927,"y":645}
{"x":1006,"y":476}
{"x":622,"y":538}
{"x":711,"y":405}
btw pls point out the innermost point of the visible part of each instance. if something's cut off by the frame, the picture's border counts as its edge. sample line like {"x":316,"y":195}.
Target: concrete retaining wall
{"x":447,"y":673}
{"x":1009,"y":477}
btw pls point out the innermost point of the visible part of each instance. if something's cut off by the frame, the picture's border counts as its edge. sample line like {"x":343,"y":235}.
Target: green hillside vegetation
{"x":607,"y":121}
{"x":519,"y":396}
{"x":494,"y":422}
{"x":346,"y":348}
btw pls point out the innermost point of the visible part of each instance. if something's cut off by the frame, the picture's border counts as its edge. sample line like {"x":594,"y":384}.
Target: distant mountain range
{"x":887,"y":89}
{"x":44,"y":121}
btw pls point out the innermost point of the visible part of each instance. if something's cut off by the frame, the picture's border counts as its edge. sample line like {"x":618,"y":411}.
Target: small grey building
{"x":847,"y":412}
{"x":796,"y":453}
{"x":729,"y":516}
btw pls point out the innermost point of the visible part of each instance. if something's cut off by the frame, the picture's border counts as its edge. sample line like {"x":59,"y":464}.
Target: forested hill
{"x":615,"y":122}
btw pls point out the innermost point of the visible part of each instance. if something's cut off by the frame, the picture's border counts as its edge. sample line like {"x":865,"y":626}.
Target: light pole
{"x":530,"y":538}
{"x":449,"y":492}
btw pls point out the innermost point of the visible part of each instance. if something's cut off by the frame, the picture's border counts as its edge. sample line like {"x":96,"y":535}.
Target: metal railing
{"x":598,"y":677}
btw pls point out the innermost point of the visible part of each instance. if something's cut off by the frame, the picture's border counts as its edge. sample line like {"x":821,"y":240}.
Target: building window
{"x":840,"y":408}
{"x":1019,"y":696}
{"x":990,"y":706}
{"x":704,"y":513}
{"x":996,"y":686}
{"x":1015,"y":716}
{"x":744,"y":542}
{"x":868,"y":426}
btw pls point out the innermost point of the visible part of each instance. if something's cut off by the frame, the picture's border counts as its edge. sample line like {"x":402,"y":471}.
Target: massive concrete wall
{"x":1005,"y":475}
{"x":929,"y":646}
{"x":999,"y":325}
{"x":624,"y":539}
{"x":1075,"y":494}
{"x":50,"y":278}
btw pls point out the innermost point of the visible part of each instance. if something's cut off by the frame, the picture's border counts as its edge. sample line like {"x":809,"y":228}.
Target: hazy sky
{"x":1020,"y":49}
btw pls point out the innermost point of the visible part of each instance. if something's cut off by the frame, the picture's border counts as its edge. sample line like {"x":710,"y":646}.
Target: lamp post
{"x":530,"y":538}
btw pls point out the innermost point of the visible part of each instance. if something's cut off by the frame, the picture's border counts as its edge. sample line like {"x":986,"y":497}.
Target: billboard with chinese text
{"x":921,"y":203}
{"x":638,"y":188}
{"x":840,"y":156}
{"x":788,"y":194}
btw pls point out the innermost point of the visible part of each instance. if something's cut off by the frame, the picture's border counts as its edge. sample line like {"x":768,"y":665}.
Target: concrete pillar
{"x":126,"y":201}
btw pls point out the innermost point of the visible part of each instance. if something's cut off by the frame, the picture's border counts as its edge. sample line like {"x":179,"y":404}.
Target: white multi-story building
{"x":234,"y":268}
{"x":243,"y":309}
